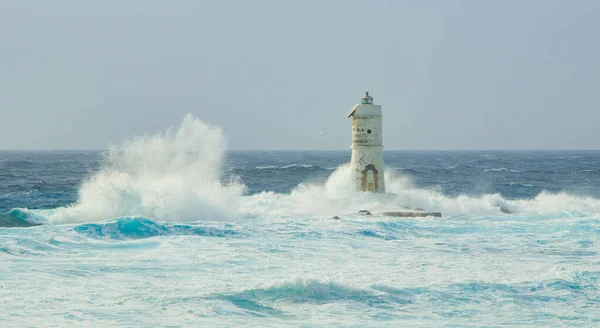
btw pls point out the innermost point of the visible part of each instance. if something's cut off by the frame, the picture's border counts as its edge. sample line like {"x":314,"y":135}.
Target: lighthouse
{"x":366,"y":164}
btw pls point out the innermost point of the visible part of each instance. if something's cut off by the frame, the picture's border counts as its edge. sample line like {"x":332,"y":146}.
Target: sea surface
{"x":174,"y":230}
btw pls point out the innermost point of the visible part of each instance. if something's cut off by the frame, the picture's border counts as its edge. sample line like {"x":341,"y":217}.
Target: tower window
{"x":369,"y":131}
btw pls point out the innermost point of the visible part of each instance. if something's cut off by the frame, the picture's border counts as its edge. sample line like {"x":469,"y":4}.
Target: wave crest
{"x":305,"y":291}
{"x":21,"y":217}
{"x":582,"y":286}
{"x":176,"y":175}
{"x":291,"y":166}
{"x":137,"y":228}
{"x":337,"y":197}
{"x":172,"y":176}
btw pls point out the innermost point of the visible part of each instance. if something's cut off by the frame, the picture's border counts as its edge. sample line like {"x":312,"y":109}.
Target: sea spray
{"x":172,"y":176}
{"x":281,"y":269}
{"x":176,"y":175}
{"x":337,"y":197}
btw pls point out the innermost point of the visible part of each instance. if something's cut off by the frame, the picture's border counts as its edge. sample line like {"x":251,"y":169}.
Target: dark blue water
{"x":513,"y":174}
{"x":147,"y":238}
{"x":50,"y":179}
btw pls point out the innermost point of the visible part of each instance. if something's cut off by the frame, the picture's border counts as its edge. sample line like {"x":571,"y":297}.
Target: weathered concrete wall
{"x":367,"y":148}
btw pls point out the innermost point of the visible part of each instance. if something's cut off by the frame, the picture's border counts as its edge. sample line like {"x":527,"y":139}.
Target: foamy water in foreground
{"x":165,"y":230}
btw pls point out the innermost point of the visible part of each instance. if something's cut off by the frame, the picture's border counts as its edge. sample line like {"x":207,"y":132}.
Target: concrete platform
{"x":416,"y":213}
{"x":410,"y":214}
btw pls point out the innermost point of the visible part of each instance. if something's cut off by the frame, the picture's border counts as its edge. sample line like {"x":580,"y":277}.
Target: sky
{"x":451,"y":75}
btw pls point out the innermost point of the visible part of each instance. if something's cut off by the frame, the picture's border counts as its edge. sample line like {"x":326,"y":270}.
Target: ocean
{"x":174,"y":230}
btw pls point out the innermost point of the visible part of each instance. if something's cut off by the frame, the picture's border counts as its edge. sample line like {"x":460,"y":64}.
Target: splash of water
{"x":176,"y":175}
{"x":337,"y":196}
{"x":172,"y":176}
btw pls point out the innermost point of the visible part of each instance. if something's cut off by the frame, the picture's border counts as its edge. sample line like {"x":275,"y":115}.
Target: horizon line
{"x":314,"y":150}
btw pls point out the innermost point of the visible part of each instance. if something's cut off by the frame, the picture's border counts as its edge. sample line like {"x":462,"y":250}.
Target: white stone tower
{"x":367,"y":147}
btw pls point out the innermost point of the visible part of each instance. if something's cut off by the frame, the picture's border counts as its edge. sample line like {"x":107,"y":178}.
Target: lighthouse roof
{"x":351,"y":112}
{"x":364,"y":100}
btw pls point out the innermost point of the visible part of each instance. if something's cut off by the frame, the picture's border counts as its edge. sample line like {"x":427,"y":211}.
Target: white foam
{"x":176,"y":176}
{"x":336,"y":197}
{"x":270,"y":167}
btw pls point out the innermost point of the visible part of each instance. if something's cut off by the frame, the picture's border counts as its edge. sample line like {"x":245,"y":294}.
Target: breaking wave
{"x":292,"y":166}
{"x":136,"y":228}
{"x":582,"y":286}
{"x":336,"y":196}
{"x":177,"y":176}
{"x":302,"y":291}
{"x":172,"y":176}
{"x":19,"y":217}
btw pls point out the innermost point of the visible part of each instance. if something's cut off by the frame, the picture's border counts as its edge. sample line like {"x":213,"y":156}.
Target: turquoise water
{"x":172,"y":230}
